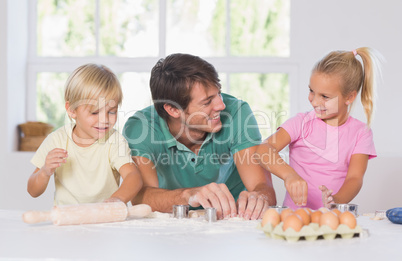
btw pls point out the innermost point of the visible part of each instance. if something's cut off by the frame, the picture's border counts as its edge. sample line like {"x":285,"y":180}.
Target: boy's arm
{"x":38,"y":181}
{"x":354,"y":179}
{"x":131,"y":184}
{"x":268,"y":157}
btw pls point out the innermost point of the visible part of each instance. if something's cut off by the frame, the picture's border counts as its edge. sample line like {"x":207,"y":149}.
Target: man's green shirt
{"x":177,"y":166}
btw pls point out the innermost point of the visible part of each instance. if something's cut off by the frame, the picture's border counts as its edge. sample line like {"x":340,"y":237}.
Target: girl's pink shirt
{"x":321,"y":153}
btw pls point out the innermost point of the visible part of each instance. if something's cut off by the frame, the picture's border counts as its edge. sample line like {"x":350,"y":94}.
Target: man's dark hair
{"x":173,"y":77}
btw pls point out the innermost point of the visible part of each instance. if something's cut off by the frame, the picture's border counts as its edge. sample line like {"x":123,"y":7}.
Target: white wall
{"x":3,"y":92}
{"x":317,"y":27}
{"x":15,"y":166}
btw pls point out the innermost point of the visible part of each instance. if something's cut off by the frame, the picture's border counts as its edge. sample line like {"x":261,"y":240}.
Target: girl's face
{"x":94,"y":119}
{"x":327,"y":100}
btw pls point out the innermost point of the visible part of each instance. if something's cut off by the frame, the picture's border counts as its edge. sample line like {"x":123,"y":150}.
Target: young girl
{"x":328,"y":149}
{"x":87,"y":157}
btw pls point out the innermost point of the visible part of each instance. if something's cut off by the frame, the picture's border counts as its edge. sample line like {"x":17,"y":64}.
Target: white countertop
{"x":189,"y":239}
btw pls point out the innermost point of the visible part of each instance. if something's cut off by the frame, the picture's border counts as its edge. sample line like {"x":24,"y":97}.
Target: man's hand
{"x":216,"y":196}
{"x":297,"y":189}
{"x":326,"y":195}
{"x":252,"y":205}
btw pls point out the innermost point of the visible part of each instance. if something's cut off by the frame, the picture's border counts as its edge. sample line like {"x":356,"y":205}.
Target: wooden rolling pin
{"x":90,"y":213}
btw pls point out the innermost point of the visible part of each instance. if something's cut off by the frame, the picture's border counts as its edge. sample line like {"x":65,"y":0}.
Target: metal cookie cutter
{"x":278,"y":208}
{"x":380,"y":214}
{"x":180,"y":211}
{"x":345,"y":207}
{"x":210,"y":214}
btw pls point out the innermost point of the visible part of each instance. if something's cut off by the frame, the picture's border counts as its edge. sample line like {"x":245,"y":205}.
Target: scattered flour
{"x":163,"y":224}
{"x":160,"y":215}
{"x":236,"y":219}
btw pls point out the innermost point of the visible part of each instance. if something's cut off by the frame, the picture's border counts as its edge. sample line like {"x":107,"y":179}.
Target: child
{"x":328,"y":149}
{"x":87,"y":157}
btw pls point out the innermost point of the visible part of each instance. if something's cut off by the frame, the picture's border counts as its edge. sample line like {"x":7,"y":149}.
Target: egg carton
{"x":311,"y":232}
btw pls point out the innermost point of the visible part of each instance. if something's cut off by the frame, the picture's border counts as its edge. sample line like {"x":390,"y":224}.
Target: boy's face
{"x":94,"y":118}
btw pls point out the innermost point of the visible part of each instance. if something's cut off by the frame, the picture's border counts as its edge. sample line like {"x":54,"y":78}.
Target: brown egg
{"x":348,"y":219}
{"x":309,"y":210}
{"x":336,"y":211}
{"x":304,"y":214}
{"x":323,"y":210}
{"x":292,"y":221}
{"x":271,"y":216}
{"x":315,"y":216}
{"x":286,"y":212}
{"x":330,"y":219}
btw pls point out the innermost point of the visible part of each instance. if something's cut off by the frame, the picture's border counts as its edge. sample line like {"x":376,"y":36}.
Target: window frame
{"x":224,"y":65}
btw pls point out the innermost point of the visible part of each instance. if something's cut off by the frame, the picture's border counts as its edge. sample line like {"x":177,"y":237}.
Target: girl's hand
{"x":326,"y":195}
{"x":54,"y":159}
{"x":297,"y":189}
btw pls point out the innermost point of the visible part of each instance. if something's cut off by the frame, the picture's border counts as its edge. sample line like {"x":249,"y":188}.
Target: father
{"x":195,"y":144}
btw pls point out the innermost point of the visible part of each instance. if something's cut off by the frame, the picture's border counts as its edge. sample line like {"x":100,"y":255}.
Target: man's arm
{"x":162,"y":200}
{"x":260,"y":192}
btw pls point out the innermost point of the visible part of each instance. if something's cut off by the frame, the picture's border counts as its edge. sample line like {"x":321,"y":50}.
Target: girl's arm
{"x":354,"y":179}
{"x":268,"y":156}
{"x":131,"y":184}
{"x":38,"y":181}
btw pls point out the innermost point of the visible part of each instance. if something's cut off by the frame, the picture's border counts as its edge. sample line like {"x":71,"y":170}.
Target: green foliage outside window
{"x":267,"y":96}
{"x":130,"y":28}
{"x":259,"y":28}
{"x":50,"y":98}
{"x":66,"y":28}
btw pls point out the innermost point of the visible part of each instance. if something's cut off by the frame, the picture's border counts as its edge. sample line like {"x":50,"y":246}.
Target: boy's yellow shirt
{"x":91,"y":173}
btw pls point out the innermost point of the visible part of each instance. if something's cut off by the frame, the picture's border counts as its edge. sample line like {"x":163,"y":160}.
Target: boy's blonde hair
{"x":353,"y":75}
{"x":91,"y":82}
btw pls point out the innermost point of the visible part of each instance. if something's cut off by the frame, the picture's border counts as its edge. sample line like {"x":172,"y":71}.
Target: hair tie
{"x":354,"y":52}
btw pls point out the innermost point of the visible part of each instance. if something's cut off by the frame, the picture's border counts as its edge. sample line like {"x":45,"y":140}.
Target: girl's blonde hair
{"x":353,"y":75}
{"x":91,"y":82}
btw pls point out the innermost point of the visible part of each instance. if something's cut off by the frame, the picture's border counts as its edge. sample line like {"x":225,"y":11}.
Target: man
{"x":195,"y":145}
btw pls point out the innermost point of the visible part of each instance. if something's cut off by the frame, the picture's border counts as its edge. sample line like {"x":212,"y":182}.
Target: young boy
{"x":87,"y":157}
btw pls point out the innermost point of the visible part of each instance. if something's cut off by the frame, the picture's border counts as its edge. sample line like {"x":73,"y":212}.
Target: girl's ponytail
{"x":372,"y":73}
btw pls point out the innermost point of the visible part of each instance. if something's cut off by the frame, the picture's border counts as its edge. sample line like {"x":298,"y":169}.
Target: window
{"x":247,"y":41}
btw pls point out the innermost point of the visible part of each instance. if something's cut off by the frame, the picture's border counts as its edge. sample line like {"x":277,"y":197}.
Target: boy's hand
{"x":297,"y":189}
{"x":54,"y":159}
{"x":326,"y":195}
{"x":112,"y":199}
